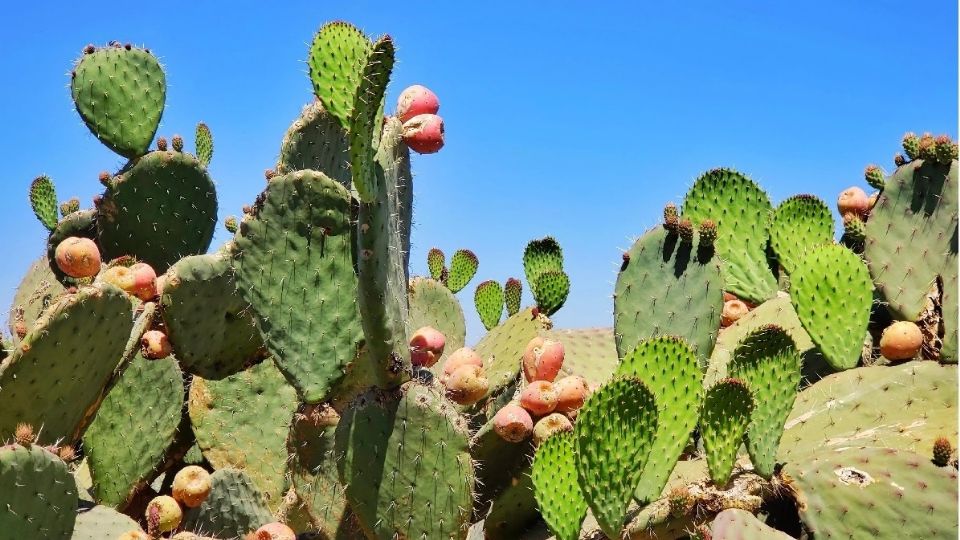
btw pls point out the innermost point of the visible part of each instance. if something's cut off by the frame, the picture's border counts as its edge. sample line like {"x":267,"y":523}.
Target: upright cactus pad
{"x":160,"y":208}
{"x":551,"y":290}
{"x":210,"y":326}
{"x":436,"y":263}
{"x":404,"y":460}
{"x":557,"y":487}
{"x":318,"y":142}
{"x":43,"y":200}
{"x":832,"y":294}
{"x":37,"y":290}
{"x":313,"y":469}
{"x":768,"y":362}
{"x":337,"y":56}
{"x":295,"y":268}
{"x":488,"y":299}
{"x":37,"y":494}
{"x":799,"y":223}
{"x":233,"y":509}
{"x":726,"y":415}
{"x":120,"y":92}
{"x":542,"y":255}
{"x":204,"y":144}
{"x":366,"y":118}
{"x":432,"y":304}
{"x":70,"y":356}
{"x":670,"y":370}
{"x":512,"y":293}
{"x":741,"y":211}
{"x":612,"y":439}
{"x":668,"y":287}
{"x":82,"y":224}
{"x":463,"y":266}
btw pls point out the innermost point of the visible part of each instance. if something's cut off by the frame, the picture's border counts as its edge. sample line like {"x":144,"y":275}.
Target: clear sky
{"x":579,"y":120}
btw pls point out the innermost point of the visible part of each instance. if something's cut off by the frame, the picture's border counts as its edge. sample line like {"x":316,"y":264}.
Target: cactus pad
{"x":38,"y":289}
{"x":204,"y":144}
{"x":799,"y":223}
{"x":726,"y":415}
{"x":512,"y":293}
{"x":233,"y":509}
{"x":37,"y":494}
{"x":432,"y":304}
{"x":436,"y":263}
{"x":366,"y":118}
{"x":550,"y":291}
{"x":337,"y":56}
{"x":542,"y":255}
{"x":120,"y":93}
{"x":588,"y":352}
{"x":99,"y":522}
{"x":557,"y":487}
{"x":502,"y":348}
{"x":488,"y":299}
{"x":318,"y":142}
{"x":313,"y":469}
{"x":463,"y":266}
{"x":43,"y":200}
{"x":736,"y":524}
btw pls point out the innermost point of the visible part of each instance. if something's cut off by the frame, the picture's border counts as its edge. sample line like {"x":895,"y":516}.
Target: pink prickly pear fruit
{"x":426,"y":346}
{"x":416,"y":100}
{"x":163,"y":514}
{"x":853,"y":200}
{"x":549,"y":425}
{"x":191,"y":486}
{"x":464,"y":356}
{"x":119,"y":276}
{"x":572,"y":391}
{"x":78,"y":257}
{"x":542,"y":359}
{"x":155,"y":345}
{"x":424,"y":133}
{"x":901,"y":341}
{"x":275,"y":531}
{"x":733,"y":310}
{"x":467,"y":385}
{"x":144,"y":281}
{"x":539,"y":397}
{"x":513,"y":423}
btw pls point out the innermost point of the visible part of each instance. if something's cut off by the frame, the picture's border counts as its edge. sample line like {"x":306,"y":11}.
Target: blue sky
{"x":579,"y":121}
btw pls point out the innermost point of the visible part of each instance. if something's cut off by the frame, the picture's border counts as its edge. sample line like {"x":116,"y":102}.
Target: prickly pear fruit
{"x":853,"y":200}
{"x":542,"y":359}
{"x":426,"y":346}
{"x":191,"y":486}
{"x":275,"y":531}
{"x":467,"y":385}
{"x":901,"y":341}
{"x":78,"y":257}
{"x":119,"y":276}
{"x":163,"y":514}
{"x":549,"y":425}
{"x":572,"y":391}
{"x":155,"y":345}
{"x":144,"y":281}
{"x":942,"y":450}
{"x":539,"y":397}
{"x":464,"y":356}
{"x":415,"y":100}
{"x":513,"y":423}
{"x":424,"y":133}
{"x":732,"y":311}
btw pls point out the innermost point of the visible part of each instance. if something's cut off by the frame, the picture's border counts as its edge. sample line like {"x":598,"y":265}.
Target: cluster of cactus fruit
{"x":760,"y":380}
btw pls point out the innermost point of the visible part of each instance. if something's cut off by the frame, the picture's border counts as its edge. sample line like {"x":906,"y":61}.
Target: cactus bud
{"x":946,"y":149}
{"x":927,"y":148}
{"x":89,"y":49}
{"x":911,"y":145}
{"x":941,"y":451}
{"x":104,"y":178}
{"x":670,"y":217}
{"x":162,"y":144}
{"x":67,"y":454}
{"x":69,"y":207}
{"x":854,"y":228}
{"x":708,"y":233}
{"x":127,"y":46}
{"x":24,"y":434}
{"x":177,"y":142}
{"x":231,"y":224}
{"x":874,"y":176}
{"x":899,"y":159}
{"x":685,"y":230}
{"x":269,"y":174}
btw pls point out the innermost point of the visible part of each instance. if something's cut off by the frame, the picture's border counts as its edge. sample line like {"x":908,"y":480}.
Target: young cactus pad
{"x":557,"y":486}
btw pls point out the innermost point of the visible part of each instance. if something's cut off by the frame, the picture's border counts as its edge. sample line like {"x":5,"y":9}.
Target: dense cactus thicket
{"x":760,"y":380}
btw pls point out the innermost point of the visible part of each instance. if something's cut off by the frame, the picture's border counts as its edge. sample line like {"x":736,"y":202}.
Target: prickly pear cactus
{"x":726,"y":414}
{"x":337,"y":56}
{"x":557,"y":487}
{"x":234,"y":508}
{"x":204,"y":144}
{"x":463,"y":266}
{"x":318,"y":142}
{"x":37,"y":290}
{"x":502,"y":348}
{"x":798,"y":224}
{"x":488,"y":299}
{"x":43,"y":200}
{"x":736,"y":524}
{"x":100,"y":522}
{"x":432,"y":304}
{"x":37,"y":494}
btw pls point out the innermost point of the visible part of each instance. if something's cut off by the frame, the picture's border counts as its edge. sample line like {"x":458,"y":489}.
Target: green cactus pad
{"x":612,"y":439}
{"x":37,"y":494}
{"x":383,"y":242}
{"x":832,"y":294}
{"x":512,"y":293}
{"x":69,"y":356}
{"x":906,"y":407}
{"x":209,"y":324}
{"x":557,"y":487}
{"x":242,"y":422}
{"x":542,"y":255}
{"x":736,"y":524}
{"x":203,"y":141}
{"x":318,"y":142}
{"x":513,"y":511}
{"x":463,"y":266}
{"x":233,"y":509}
{"x":488,"y":298}
{"x":500,"y":463}
{"x":366,"y":118}
{"x":433,"y":305}
{"x":403,"y":458}
{"x":724,"y":420}
{"x":768,"y":361}
{"x":502,"y":348}
{"x":120,"y":93}
{"x":82,"y":224}
{"x":876,"y":493}
{"x":912,"y":240}
{"x":43,"y":200}
{"x":436,"y":263}
{"x":161,"y":207}
{"x":100,"y":522}
{"x":588,"y":352}
{"x":668,"y":287}
{"x":670,"y":370}
{"x":37,"y":290}
{"x":294,"y":267}
{"x":550,"y":291}
{"x":799,"y":223}
{"x":133,"y":428}
{"x":741,"y":211}
{"x":337,"y":56}
{"x":313,"y":469}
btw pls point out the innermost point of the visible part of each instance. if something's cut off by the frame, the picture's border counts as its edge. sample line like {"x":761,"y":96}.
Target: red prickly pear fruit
{"x":191,"y":486}
{"x":424,"y":133}
{"x":853,"y":200}
{"x":464,"y":356}
{"x":542,"y":359}
{"x":513,"y":423}
{"x":539,"y":397}
{"x":550,"y":425}
{"x":901,"y":341}
{"x":144,"y":281}
{"x":733,"y":310}
{"x":275,"y":531}
{"x":163,"y":514}
{"x":467,"y":385}
{"x":416,"y":100}
{"x":572,"y":391}
{"x":155,"y":345}
{"x":426,"y":346}
{"x":78,"y":257}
